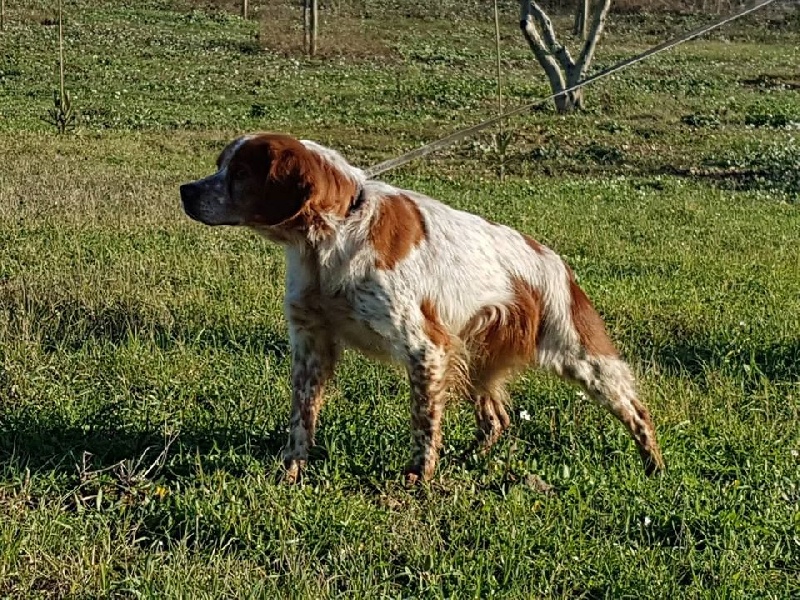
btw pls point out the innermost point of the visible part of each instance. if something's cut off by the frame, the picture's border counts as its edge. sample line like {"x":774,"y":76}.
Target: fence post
{"x":244,"y":8}
{"x":500,"y":140}
{"x":306,"y":27}
{"x":314,"y":25}
{"x":580,"y":26}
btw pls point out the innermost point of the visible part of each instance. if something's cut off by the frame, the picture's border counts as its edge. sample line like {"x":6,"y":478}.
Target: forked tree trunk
{"x":554,"y":57}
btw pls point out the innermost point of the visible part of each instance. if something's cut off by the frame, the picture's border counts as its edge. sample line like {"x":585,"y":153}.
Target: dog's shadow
{"x":42,"y":439}
{"x":693,"y":354}
{"x":80,"y":449}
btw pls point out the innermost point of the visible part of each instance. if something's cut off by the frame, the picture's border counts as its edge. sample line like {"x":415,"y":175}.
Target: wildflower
{"x":647,"y":521}
{"x":524,"y":415}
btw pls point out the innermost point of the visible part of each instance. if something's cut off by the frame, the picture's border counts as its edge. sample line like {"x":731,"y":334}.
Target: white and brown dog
{"x":458,"y":301}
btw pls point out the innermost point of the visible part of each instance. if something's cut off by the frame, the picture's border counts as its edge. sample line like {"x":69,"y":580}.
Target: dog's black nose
{"x":188,"y":192}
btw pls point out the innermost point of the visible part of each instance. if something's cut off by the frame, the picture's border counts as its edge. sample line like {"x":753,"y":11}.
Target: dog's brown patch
{"x":285,"y":183}
{"x":433,"y":327}
{"x":588,"y":323}
{"x":398,"y":228}
{"x":535,"y":246}
{"x":502,"y":338}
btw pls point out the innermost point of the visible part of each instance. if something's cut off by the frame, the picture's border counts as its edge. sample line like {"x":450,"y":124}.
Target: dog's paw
{"x":412,"y":479}
{"x":654,"y":465}
{"x":414,"y":475}
{"x":292,"y":471}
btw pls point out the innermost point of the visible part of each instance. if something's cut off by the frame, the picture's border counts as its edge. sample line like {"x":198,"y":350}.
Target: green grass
{"x":144,"y":388}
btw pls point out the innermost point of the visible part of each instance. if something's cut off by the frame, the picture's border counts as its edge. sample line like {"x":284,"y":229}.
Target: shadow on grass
{"x":40,"y":438}
{"x":66,"y":450}
{"x":694,"y":354}
{"x":69,"y":324}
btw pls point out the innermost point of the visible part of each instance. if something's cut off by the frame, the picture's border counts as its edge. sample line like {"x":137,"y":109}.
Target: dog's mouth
{"x":191,"y":211}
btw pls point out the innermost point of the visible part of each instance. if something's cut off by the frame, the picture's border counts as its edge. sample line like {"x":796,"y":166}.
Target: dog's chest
{"x":359,"y":320}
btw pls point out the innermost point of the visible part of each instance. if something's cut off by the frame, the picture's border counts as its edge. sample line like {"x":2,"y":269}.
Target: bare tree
{"x":554,"y":57}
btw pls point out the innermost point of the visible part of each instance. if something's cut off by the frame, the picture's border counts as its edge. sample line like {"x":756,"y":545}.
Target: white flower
{"x":795,"y":453}
{"x":647,"y":521}
{"x":581,"y":395}
{"x":524,"y":415}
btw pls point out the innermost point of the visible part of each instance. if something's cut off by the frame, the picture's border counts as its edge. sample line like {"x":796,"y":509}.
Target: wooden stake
{"x":585,"y":20}
{"x":307,"y":27}
{"x":314,"y":25}
{"x":501,"y":138}
{"x":61,"y":53}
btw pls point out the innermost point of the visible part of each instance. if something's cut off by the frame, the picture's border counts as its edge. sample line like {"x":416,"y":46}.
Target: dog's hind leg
{"x":492,"y":419}
{"x":579,"y":350}
{"x":490,"y":399}
{"x":609,"y":382}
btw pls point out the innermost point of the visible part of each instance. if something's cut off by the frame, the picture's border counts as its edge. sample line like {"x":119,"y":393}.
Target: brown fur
{"x":398,"y":228}
{"x":536,"y":246}
{"x":288,"y":184}
{"x":500,"y":340}
{"x":432,"y":326}
{"x":645,"y":437}
{"x":588,"y":323}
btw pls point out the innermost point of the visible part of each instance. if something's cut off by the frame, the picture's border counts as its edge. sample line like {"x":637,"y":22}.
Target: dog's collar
{"x":357,"y":201}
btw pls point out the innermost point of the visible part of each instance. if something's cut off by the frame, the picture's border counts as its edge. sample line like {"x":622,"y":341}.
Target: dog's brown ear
{"x":290,"y":183}
{"x":277,"y":176}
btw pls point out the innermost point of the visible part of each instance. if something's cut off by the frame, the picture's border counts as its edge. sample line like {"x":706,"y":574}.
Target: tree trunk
{"x":580,"y":29}
{"x":244,"y":8}
{"x":562,"y":71}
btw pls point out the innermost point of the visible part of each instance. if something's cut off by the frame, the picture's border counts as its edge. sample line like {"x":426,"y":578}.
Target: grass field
{"x":144,"y":389}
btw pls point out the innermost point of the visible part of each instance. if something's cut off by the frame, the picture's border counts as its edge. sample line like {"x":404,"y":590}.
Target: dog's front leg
{"x":427,"y":374}
{"x":314,"y":356}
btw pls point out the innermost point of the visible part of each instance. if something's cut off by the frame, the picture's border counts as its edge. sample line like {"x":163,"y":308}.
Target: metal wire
{"x":393,"y":163}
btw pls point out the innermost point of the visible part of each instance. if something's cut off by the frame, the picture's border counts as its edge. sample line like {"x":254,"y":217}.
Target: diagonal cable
{"x":393,"y":163}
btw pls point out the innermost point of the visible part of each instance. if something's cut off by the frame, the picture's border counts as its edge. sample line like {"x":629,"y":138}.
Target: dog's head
{"x":270,"y":181}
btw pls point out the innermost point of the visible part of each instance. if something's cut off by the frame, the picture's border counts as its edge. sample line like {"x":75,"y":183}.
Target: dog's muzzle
{"x":190,"y":196}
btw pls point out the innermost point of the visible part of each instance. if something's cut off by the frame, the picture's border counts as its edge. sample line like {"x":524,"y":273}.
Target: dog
{"x":463,"y":304}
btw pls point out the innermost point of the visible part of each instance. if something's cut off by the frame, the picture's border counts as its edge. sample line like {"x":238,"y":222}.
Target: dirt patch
{"x":339,"y":35}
